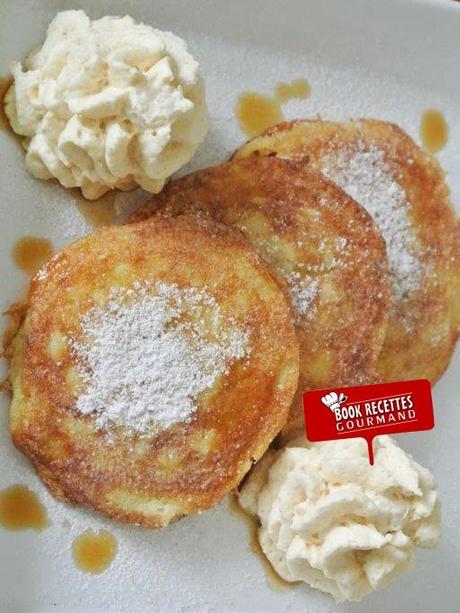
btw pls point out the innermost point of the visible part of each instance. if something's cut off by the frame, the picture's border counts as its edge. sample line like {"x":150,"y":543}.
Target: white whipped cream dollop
{"x":107,"y":104}
{"x":332,"y":520}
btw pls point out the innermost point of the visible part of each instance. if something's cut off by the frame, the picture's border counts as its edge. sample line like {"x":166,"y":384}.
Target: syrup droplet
{"x":300,"y":88}
{"x":433,"y":130}
{"x":274,"y":581}
{"x":256,"y":113}
{"x":20,"y":509}
{"x":94,"y":552}
{"x":31,"y":252}
{"x":100,"y":212}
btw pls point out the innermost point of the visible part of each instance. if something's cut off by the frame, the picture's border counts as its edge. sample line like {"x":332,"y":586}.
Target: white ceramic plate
{"x":388,"y":59}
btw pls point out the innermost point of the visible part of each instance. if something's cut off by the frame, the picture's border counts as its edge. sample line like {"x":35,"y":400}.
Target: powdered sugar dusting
{"x":146,"y":355}
{"x":366,"y":177}
{"x":342,"y":88}
{"x":303,"y":290}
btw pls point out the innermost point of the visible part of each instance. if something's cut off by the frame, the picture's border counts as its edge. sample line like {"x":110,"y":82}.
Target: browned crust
{"x":341,"y":338}
{"x":245,"y":412}
{"x":16,"y":314}
{"x":423,"y":329}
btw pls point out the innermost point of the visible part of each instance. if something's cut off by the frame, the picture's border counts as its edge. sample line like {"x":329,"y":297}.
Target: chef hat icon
{"x":333,"y":401}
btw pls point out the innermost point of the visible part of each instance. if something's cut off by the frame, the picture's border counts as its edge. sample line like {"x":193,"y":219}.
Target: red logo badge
{"x":367,"y":411}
